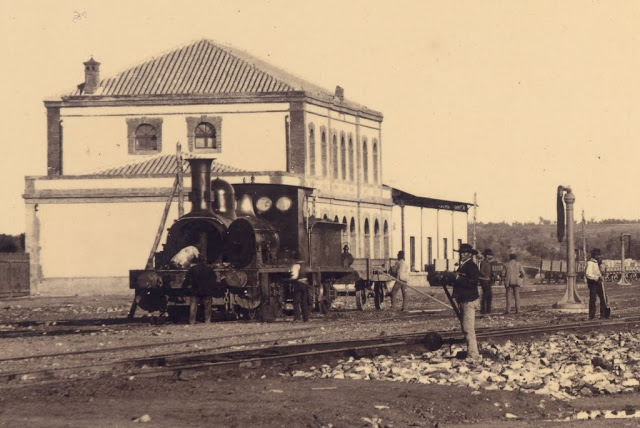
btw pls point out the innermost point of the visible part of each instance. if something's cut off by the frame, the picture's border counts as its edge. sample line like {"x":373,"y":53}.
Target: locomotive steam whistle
{"x":571,"y":300}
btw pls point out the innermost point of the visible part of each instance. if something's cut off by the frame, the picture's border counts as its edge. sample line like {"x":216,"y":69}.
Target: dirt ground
{"x":51,"y":332}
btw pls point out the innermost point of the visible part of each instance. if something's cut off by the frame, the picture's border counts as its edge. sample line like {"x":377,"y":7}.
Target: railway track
{"x":264,"y":354}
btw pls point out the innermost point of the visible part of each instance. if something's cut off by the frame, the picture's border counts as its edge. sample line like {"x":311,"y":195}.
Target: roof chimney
{"x":339,"y":93}
{"x":91,"y":76}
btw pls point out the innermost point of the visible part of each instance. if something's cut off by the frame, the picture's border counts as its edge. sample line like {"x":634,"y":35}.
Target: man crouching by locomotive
{"x":201,"y":278}
{"x":465,"y":291}
{"x":300,"y":291}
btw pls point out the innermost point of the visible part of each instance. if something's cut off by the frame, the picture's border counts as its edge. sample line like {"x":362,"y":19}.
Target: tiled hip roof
{"x":161,"y":165}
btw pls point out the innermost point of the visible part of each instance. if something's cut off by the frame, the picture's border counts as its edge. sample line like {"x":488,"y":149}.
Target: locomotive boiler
{"x":251,"y":234}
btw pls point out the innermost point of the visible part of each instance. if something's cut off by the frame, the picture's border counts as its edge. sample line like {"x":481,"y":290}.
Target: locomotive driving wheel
{"x":379,"y":288}
{"x":361,"y":297}
{"x":271,"y":306}
{"x":326,"y":299}
{"x":270,"y":310}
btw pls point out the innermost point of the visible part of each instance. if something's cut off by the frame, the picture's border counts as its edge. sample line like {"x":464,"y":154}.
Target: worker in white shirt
{"x":401,"y":271}
{"x":594,"y":282}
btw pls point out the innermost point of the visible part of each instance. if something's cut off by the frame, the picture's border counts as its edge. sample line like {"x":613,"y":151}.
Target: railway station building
{"x":111,"y":145}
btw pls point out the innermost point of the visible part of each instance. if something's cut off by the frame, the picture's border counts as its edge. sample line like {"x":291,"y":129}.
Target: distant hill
{"x":533,"y":242}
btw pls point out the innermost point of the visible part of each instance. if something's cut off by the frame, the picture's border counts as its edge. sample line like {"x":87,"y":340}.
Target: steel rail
{"x":309,"y":327}
{"x":171,"y":363}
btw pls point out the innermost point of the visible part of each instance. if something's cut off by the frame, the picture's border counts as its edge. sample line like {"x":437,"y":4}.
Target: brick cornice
{"x":295,"y":98}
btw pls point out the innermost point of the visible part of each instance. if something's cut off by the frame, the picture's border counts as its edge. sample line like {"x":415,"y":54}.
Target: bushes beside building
{"x":12,"y":243}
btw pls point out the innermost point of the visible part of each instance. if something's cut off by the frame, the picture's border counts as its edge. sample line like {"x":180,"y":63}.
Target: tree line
{"x":539,"y":241}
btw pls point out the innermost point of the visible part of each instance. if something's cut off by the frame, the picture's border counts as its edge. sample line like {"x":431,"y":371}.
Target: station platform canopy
{"x":401,"y":197}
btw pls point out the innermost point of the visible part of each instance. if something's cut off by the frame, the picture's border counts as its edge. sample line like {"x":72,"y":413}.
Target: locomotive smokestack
{"x":200,"y":195}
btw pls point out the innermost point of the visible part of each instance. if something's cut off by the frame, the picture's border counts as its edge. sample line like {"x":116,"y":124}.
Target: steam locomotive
{"x":251,"y":233}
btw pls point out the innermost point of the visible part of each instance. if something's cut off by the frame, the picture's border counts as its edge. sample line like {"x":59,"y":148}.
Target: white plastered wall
{"x":97,"y":239}
{"x":95,"y":138}
{"x":423,"y":223}
{"x":89,"y":248}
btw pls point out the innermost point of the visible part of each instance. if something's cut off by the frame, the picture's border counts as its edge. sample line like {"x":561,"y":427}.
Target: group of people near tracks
{"x":469,"y":277}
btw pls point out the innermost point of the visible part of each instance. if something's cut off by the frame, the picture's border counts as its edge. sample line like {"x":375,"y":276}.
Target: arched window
{"x":375,"y":161}
{"x":343,"y":157}
{"x":334,"y":155}
{"x":376,"y":239}
{"x":386,"y":240}
{"x":345,"y":232}
{"x":365,"y":161}
{"x":325,"y":217}
{"x":205,"y":136}
{"x":354,"y":237}
{"x":312,"y":151}
{"x":367,"y":239}
{"x":204,"y":133}
{"x":336,"y":219}
{"x":351,"y":158}
{"x":323,"y":140}
{"x":146,"y":137}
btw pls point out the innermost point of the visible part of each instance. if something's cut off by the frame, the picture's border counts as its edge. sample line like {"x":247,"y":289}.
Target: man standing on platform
{"x":401,"y":271}
{"x":465,"y":291}
{"x":486,"y":281}
{"x":298,"y":277}
{"x":594,"y":282}
{"x":513,"y":274}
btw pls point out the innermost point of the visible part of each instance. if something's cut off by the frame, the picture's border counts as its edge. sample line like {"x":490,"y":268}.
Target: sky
{"x":498,"y":100}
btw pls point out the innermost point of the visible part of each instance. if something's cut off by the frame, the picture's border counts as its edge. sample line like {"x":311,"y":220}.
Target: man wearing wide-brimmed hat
{"x":465,"y":291}
{"x":486,"y":281}
{"x":594,"y":282}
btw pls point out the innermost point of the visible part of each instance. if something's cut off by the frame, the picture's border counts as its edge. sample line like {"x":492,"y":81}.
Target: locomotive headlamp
{"x":284,"y":203}
{"x":149,"y":279}
{"x":264,"y":204}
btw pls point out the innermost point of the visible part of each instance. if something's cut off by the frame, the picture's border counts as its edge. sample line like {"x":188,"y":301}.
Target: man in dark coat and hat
{"x":486,"y":281}
{"x":201,"y":279}
{"x":465,"y":291}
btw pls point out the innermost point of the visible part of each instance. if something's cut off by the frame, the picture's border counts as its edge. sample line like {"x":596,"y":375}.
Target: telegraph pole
{"x":584,"y":239}
{"x":475,"y":206}
{"x":623,"y":277}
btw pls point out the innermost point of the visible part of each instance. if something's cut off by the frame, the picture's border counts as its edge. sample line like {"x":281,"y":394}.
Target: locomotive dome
{"x":223,"y":196}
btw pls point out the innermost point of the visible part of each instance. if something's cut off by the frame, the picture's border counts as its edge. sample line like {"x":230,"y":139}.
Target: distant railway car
{"x":252,"y":234}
